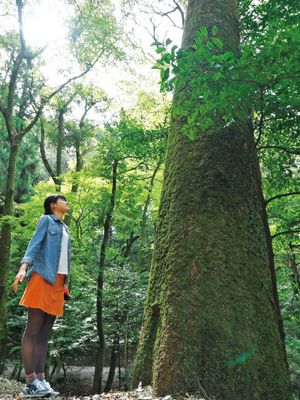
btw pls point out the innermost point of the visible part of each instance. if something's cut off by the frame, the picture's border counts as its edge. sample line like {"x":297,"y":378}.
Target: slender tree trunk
{"x":274,"y":299}
{"x":5,"y":243}
{"x":60,"y":140}
{"x":126,"y":383}
{"x":43,"y":155}
{"x":112,"y":367}
{"x":294,"y":271}
{"x":209,"y":323}
{"x":97,"y":381}
{"x":58,"y":365}
{"x":74,"y":189}
{"x":119,"y":317}
{"x":79,"y":165}
{"x":119,"y":364}
{"x":142,"y":258}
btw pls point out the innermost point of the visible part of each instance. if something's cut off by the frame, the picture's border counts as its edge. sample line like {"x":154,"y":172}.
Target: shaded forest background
{"x":107,"y":158}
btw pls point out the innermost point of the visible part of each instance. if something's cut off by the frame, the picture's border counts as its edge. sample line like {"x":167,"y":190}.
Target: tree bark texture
{"x":209,"y":322}
{"x":5,"y":244}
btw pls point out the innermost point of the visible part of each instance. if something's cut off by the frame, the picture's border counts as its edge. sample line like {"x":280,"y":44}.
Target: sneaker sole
{"x":35,"y":396}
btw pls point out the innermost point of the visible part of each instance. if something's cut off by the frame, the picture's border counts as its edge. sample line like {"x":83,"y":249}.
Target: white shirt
{"x":63,"y":260}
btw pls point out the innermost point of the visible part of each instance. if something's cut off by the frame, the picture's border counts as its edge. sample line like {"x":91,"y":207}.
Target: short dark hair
{"x":52,"y":198}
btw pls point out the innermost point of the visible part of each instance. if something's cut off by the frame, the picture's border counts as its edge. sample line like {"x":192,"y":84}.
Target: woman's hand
{"x":67,"y":295}
{"x":20,"y":276}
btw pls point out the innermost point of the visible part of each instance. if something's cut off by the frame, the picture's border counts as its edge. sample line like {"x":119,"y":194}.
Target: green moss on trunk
{"x":215,"y":325}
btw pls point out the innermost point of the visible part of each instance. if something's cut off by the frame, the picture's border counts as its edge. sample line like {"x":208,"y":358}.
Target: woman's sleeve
{"x":34,"y":245}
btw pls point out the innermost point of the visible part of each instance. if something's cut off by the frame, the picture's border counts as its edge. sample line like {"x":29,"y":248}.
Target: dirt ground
{"x":10,"y":390}
{"x":79,"y":379}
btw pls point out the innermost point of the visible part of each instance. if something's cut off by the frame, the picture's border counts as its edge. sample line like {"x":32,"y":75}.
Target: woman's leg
{"x":31,"y":333}
{"x":41,"y":344}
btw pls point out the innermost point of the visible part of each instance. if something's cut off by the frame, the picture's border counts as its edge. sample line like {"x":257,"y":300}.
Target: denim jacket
{"x":43,"y":251}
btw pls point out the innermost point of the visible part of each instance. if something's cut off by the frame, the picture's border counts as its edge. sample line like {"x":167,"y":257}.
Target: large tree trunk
{"x":209,"y":322}
{"x":5,"y":243}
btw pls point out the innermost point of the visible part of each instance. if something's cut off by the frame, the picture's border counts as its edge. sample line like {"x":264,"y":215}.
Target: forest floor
{"x":11,"y":389}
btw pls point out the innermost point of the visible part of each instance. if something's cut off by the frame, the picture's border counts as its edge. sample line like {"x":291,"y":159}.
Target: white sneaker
{"x":35,"y":389}
{"x":46,"y":386}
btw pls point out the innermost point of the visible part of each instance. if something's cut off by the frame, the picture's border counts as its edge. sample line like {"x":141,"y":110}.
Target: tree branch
{"x":2,"y":108}
{"x":47,"y":99}
{"x":280,"y":195}
{"x":133,"y":168}
{"x":18,"y":61}
{"x":181,"y":13}
{"x":290,"y":232}
{"x":76,"y":76}
{"x":43,"y":154}
{"x":20,"y":20}
{"x":290,"y":151}
{"x":12,"y":83}
{"x":87,"y":108}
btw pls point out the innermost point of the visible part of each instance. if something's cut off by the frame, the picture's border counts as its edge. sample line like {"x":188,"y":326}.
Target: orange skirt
{"x":44,"y":295}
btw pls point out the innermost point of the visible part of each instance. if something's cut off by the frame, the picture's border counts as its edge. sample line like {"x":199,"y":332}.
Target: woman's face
{"x":61,"y":206}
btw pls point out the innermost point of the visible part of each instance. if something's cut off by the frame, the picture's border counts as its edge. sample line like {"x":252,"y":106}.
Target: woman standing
{"x":46,"y":265}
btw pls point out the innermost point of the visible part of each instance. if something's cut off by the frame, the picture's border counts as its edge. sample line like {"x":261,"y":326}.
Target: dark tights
{"x":35,"y":340}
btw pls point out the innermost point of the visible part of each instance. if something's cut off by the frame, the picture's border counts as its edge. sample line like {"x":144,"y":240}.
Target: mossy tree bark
{"x":209,"y":321}
{"x":5,"y":243}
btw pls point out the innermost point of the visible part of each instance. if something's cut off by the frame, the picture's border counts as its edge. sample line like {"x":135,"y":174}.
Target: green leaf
{"x":215,"y":30}
{"x":190,"y":133}
{"x":217,"y":76}
{"x":160,"y":50}
{"x":164,"y":74}
{"x":156,"y":43}
{"x":217,"y":42}
{"x":203,"y":32}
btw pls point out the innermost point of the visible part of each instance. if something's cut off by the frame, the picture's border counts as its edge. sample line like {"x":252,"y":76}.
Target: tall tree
{"x":210,"y":320}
